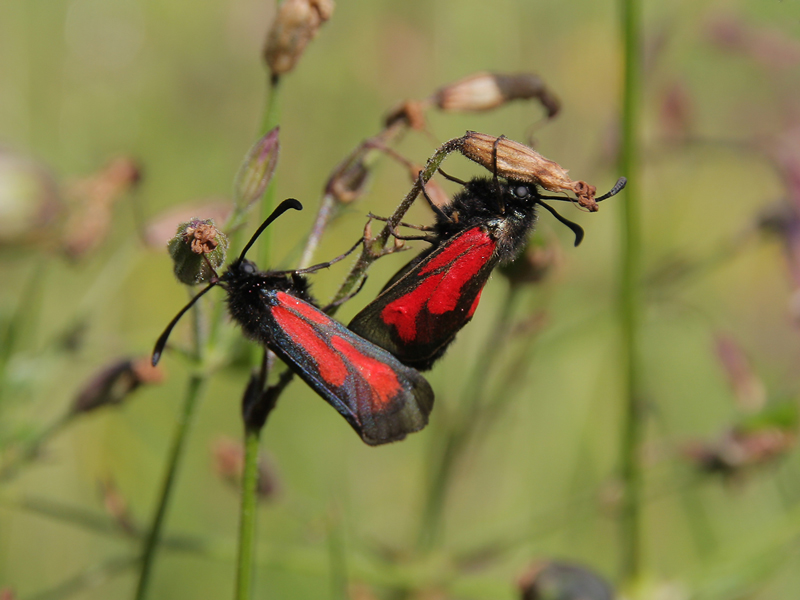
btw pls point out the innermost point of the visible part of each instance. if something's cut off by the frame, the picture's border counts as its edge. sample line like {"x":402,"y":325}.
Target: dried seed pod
{"x":485,"y":91}
{"x":115,"y":382}
{"x":349,"y":179}
{"x":92,"y":198}
{"x":517,"y":161}
{"x":257,"y":169}
{"x":295,"y":25}
{"x":162,"y":227}
{"x":228,"y":456}
{"x":409,"y":112}
{"x":197,"y":249}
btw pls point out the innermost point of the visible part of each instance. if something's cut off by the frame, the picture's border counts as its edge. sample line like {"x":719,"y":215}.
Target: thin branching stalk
{"x":630,"y":300}
{"x":373,"y":248}
{"x":194,"y":392}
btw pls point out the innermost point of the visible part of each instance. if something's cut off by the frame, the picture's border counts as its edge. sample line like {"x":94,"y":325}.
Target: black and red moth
{"x":422,"y":308}
{"x":382,"y":399}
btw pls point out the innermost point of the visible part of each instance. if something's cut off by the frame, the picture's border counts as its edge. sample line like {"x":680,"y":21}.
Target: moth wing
{"x":418,"y":316}
{"x":382,"y":399}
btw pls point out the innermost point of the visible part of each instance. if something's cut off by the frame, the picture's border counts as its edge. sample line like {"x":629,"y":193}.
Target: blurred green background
{"x":180,"y":89}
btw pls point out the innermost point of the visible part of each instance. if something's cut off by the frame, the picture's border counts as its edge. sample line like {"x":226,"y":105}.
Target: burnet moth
{"x":382,"y":399}
{"x":422,"y":308}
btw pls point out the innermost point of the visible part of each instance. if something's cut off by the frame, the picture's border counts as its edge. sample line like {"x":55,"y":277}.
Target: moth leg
{"x":402,"y":223}
{"x":349,"y":296}
{"x":431,"y":203}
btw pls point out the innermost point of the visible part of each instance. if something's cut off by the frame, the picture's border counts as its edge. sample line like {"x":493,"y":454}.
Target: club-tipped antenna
{"x":158,"y":349}
{"x":576,"y":229}
{"x":281,"y":208}
{"x":618,"y":187}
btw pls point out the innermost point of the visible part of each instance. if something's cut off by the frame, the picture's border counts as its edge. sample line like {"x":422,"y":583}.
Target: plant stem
{"x":248,"y":517}
{"x":270,"y":121}
{"x":630,"y":300}
{"x":193,"y":392}
{"x":374,"y":247}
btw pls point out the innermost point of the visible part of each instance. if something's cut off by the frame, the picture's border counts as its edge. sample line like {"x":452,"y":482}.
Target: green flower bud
{"x":257,"y":170}
{"x":197,"y":250}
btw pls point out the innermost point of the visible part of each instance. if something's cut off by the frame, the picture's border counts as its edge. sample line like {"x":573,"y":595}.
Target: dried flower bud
{"x":737,"y":450}
{"x":295,"y":25}
{"x":115,"y":382}
{"x":257,"y":170}
{"x":349,"y":179}
{"x":484,"y":91}
{"x":551,"y":580}
{"x":517,"y":161}
{"x":409,"y":112}
{"x":161,"y":229}
{"x":228,"y":457}
{"x":90,"y":218}
{"x":197,"y":249}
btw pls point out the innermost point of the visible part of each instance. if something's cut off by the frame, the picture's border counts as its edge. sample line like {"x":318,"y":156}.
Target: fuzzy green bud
{"x":197,"y":250}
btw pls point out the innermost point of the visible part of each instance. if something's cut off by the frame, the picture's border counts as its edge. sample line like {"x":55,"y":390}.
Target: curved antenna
{"x":576,"y":229}
{"x":158,"y":350}
{"x":282,"y":208}
{"x":618,"y":187}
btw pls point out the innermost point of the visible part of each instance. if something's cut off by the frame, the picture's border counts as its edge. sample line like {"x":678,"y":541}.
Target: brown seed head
{"x":295,"y":25}
{"x":201,"y":237}
{"x":196,"y":250}
{"x":517,"y":161}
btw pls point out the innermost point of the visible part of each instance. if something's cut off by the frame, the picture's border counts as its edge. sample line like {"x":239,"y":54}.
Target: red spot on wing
{"x":308,"y":311}
{"x":459,"y":245}
{"x":380,"y":377}
{"x":403,"y":312}
{"x":440,"y":293}
{"x":329,"y":364}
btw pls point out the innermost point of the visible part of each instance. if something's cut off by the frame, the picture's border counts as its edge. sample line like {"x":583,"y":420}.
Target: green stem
{"x":193,"y":393}
{"x":247,"y":521}
{"x":270,"y":121}
{"x":630,"y":300}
